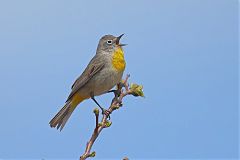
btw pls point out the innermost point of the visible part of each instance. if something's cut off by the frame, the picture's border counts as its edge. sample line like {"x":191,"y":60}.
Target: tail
{"x":60,"y":119}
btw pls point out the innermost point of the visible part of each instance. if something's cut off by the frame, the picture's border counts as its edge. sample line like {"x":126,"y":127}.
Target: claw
{"x":106,"y":112}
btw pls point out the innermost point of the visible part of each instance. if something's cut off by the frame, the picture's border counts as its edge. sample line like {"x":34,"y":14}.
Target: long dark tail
{"x":60,"y":119}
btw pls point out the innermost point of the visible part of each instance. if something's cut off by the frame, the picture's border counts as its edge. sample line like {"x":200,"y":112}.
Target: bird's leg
{"x":112,"y":91}
{"x":104,"y":111}
{"x":97,"y":103}
{"x":117,"y":92}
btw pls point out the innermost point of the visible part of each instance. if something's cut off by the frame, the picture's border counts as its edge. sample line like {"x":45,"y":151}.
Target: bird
{"x":104,"y":71}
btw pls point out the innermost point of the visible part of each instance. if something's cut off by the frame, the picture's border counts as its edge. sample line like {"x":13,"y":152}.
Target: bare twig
{"x":116,"y":103}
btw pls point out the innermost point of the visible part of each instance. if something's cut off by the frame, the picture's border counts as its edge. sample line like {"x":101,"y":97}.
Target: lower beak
{"x":122,"y":45}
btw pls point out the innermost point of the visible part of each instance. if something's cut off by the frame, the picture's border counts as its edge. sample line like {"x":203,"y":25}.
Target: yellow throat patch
{"x":118,"y":60}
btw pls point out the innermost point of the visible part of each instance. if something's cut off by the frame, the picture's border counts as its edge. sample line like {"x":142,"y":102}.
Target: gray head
{"x":109,"y":42}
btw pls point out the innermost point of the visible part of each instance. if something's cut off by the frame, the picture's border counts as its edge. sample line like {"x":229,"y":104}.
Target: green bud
{"x":100,"y":124}
{"x":93,"y":154}
{"x":115,"y":107}
{"x":137,"y":90}
{"x":96,"y":111}
{"x":108,"y":124}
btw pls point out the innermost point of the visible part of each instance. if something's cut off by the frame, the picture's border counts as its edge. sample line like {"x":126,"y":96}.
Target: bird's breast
{"x":118,"y":61}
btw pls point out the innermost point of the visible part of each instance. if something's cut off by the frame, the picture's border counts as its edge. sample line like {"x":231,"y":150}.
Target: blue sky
{"x":185,"y":53}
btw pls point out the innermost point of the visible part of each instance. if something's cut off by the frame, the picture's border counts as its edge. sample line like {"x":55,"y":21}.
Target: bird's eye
{"x":109,"y":42}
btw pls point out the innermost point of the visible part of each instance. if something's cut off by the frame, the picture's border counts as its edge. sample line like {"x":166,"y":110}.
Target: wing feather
{"x":95,"y":65}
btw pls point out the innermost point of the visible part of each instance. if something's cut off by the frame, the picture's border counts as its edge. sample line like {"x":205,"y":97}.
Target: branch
{"x":116,"y":104}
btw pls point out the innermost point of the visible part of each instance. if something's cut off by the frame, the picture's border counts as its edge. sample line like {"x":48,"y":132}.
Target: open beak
{"x":118,"y":40}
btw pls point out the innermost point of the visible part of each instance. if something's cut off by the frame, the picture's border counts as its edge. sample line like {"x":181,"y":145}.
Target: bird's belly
{"x":102,"y":82}
{"x":108,"y":81}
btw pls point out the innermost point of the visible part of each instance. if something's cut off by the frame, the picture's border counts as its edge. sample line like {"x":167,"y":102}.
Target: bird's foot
{"x":105,"y":112}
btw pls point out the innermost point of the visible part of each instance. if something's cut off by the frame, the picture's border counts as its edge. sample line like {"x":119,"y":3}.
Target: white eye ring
{"x":109,"y":41}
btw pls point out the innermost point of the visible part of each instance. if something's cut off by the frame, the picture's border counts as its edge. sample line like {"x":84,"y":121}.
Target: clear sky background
{"x":185,"y":53}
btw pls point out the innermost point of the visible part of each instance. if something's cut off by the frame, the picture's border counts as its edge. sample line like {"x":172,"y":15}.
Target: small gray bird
{"x":103,"y":72}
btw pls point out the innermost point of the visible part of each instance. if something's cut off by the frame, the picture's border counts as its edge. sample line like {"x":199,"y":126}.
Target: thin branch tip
{"x":122,"y":91}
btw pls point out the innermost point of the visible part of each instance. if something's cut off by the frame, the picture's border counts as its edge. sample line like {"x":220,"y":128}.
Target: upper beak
{"x":118,"y":39}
